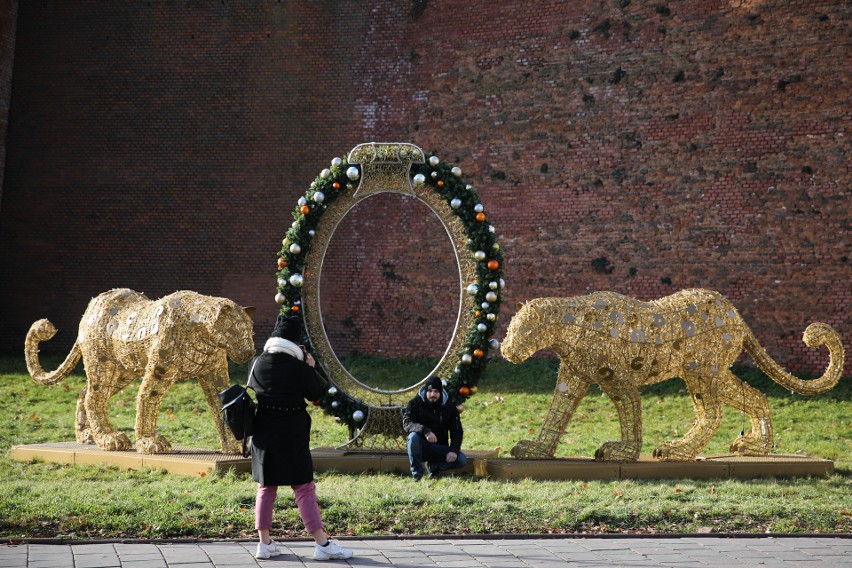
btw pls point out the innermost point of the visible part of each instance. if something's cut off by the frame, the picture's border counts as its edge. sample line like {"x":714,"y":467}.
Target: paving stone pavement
{"x":675,"y":552}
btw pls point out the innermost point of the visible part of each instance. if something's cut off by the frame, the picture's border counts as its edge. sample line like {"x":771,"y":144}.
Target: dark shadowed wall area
{"x":640,"y":147}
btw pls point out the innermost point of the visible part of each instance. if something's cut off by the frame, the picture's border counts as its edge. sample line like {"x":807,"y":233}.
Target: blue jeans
{"x":420,"y":450}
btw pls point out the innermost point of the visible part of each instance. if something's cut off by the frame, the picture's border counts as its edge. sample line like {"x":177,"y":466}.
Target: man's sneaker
{"x":267,"y":550}
{"x":331,"y":551}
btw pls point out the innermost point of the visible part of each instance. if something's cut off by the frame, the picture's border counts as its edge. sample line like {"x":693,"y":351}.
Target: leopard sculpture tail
{"x":42,"y":330}
{"x":816,"y":335}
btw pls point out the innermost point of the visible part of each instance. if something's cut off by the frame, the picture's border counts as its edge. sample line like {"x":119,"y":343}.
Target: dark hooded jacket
{"x":441,"y":418}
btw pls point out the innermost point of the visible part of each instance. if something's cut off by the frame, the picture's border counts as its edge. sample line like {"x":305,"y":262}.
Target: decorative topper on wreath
{"x":398,"y":168}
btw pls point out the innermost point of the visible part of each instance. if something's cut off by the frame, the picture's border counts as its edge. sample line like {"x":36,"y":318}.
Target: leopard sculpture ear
{"x":250,"y":310}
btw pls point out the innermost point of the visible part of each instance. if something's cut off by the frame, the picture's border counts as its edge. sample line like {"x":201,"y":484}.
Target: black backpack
{"x":238,"y":410}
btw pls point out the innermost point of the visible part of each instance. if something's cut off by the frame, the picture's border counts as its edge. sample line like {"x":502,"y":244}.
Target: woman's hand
{"x":309,"y":359}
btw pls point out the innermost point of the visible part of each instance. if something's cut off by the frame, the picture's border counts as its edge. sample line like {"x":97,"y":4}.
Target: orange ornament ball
{"x":478,"y":313}
{"x":336,"y":185}
{"x":478,"y":353}
{"x":440,"y":183}
{"x":493,"y":265}
{"x":282,"y":263}
{"x":305,"y":210}
{"x":464,"y":391}
{"x":294,"y":309}
{"x":480,"y":217}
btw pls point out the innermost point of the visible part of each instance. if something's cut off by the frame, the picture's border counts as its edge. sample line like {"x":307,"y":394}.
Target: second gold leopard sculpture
{"x":124,"y":335}
{"x":622,"y":343}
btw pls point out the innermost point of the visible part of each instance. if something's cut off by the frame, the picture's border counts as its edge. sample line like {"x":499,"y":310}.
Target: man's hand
{"x":309,"y":359}
{"x":431,"y":437}
{"x":451,"y":457}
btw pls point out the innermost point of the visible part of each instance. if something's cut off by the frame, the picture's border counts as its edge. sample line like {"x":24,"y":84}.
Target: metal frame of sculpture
{"x":622,"y":343}
{"x":374,"y":416}
{"x":124,"y":335}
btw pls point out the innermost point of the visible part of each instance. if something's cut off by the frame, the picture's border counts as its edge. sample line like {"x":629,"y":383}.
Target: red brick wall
{"x":628,"y":146}
{"x":8,"y":17}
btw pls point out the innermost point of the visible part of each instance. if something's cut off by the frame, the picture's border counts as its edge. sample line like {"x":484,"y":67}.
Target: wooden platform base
{"x":191,"y":461}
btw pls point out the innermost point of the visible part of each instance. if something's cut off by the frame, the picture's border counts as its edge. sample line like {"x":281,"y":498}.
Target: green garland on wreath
{"x":485,"y":293}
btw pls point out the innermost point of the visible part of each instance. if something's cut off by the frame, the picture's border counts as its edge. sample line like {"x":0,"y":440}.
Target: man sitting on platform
{"x":434,"y":431}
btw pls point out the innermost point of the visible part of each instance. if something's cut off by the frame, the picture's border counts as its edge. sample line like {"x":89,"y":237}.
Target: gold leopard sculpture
{"x":124,"y":335}
{"x":622,"y":343}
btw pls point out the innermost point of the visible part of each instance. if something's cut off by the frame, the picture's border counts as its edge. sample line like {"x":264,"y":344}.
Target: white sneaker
{"x":332,"y":551}
{"x":267,"y":550}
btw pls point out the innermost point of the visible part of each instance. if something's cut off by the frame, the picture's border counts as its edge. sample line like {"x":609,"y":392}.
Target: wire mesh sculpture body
{"x":622,"y":343}
{"x":124,"y":335}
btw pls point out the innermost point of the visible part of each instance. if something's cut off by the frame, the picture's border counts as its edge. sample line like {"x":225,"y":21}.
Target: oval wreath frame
{"x":440,"y":186}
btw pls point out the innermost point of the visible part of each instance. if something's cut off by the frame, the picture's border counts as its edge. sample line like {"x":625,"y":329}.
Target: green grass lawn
{"x":54,"y":500}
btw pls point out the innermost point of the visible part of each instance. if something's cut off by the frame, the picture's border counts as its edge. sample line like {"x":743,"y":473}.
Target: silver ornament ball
{"x":419,"y":179}
{"x":336,"y":162}
{"x":302,"y":201}
{"x":332,"y":391}
{"x":472,"y":289}
{"x":353,"y":173}
{"x":494,"y":344}
{"x":466,"y":359}
{"x":311,"y":233}
{"x":295,"y":249}
{"x":434,"y":161}
{"x":455,"y":203}
{"x":334,"y":404}
{"x":280,"y":298}
{"x":491,"y":317}
{"x":319,"y":197}
{"x":482,"y":328}
{"x":478,"y":208}
{"x":493,"y":285}
{"x":491,"y":296}
{"x":357,"y":416}
{"x":479,"y":255}
{"x":456,"y":171}
{"x":296,"y":280}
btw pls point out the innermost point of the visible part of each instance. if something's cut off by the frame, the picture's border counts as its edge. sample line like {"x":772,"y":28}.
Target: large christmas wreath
{"x":484,"y":293}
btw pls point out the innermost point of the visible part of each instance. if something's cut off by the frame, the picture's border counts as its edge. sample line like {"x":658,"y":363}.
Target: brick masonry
{"x":628,"y":146}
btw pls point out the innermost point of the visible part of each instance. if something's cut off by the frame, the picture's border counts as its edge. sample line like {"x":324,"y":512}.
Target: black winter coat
{"x":441,"y":418}
{"x":280,"y":447}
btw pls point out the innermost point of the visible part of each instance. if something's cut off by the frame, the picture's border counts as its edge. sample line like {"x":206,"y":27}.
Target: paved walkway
{"x":686,"y":552}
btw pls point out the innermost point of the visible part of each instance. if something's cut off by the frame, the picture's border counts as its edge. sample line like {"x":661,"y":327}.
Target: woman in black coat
{"x":283,"y":377}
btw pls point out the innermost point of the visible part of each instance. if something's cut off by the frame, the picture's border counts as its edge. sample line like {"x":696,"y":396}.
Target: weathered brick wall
{"x":8,"y":17}
{"x":628,"y":146}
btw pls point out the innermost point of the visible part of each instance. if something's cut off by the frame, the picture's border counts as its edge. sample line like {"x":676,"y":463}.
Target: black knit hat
{"x":288,"y":327}
{"x":434,"y":382}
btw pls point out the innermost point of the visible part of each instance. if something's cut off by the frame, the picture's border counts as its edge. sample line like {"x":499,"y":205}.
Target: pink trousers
{"x":306,"y":501}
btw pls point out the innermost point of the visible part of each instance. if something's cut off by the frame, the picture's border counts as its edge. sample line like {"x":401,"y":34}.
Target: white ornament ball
{"x":296,"y":280}
{"x":482,"y":327}
{"x":494,"y":344}
{"x":280,"y":298}
{"x":502,"y":283}
{"x":353,"y":173}
{"x":491,"y":296}
{"x":302,"y":201}
{"x":332,"y":391}
{"x":295,"y":249}
{"x":479,"y":255}
{"x":466,"y":359}
{"x":336,"y":162}
{"x":472,"y":289}
{"x":455,"y":203}
{"x":491,"y":317}
{"x":469,"y":187}
{"x":319,"y":197}
{"x":325,"y":174}
{"x":357,"y":416}
{"x":485,"y":305}
{"x":478,"y":208}
{"x":281,"y":281}
{"x":294,"y":224}
{"x":491,"y":228}
{"x":434,"y":175}
{"x":434,"y":161}
{"x":311,"y":233}
{"x":334,"y":404}
{"x":419,"y":179}
{"x":493,"y":285}
{"x":456,"y":171}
